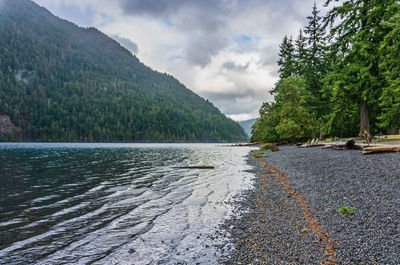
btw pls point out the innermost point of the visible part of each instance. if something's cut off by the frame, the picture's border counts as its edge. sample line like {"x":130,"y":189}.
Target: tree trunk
{"x":364,"y":117}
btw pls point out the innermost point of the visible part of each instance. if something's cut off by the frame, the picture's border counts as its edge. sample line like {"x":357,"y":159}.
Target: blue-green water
{"x":116,"y":203}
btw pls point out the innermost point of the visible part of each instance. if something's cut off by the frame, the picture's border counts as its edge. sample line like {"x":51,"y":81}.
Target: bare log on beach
{"x":314,"y":143}
{"x":195,"y":167}
{"x":246,"y":144}
{"x":311,"y":145}
{"x":381,"y":148}
{"x":350,"y":144}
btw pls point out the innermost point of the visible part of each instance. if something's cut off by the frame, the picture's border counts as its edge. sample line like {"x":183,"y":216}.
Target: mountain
{"x":60,"y":82}
{"x":246,"y":125}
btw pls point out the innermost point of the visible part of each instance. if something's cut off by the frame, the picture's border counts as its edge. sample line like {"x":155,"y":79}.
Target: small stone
{"x":304,"y":230}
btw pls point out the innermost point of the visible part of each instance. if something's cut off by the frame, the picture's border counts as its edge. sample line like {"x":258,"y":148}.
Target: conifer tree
{"x":286,"y":62}
{"x":357,"y":38}
{"x":390,"y":67}
{"x":316,"y":66}
{"x":301,"y":55}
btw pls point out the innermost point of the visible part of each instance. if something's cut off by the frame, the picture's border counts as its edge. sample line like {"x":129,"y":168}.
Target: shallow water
{"x":116,"y":203}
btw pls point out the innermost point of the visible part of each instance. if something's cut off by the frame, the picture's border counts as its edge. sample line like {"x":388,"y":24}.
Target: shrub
{"x":347,"y":209}
{"x":265,"y":147}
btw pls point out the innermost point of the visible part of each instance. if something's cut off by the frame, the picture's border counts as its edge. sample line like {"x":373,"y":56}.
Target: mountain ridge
{"x":61,"y":82}
{"x":247,"y":125}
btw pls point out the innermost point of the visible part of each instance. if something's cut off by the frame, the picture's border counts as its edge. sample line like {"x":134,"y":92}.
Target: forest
{"x":60,"y":82}
{"x":340,"y":76}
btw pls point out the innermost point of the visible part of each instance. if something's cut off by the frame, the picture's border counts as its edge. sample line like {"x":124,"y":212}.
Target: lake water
{"x":117,"y":203}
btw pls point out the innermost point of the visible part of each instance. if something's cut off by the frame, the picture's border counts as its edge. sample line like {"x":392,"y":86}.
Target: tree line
{"x":340,"y":76}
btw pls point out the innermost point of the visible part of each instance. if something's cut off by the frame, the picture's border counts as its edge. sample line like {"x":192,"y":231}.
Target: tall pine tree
{"x":316,"y":66}
{"x":390,"y":67}
{"x":286,"y":62}
{"x":356,"y":73}
{"x":301,"y":54}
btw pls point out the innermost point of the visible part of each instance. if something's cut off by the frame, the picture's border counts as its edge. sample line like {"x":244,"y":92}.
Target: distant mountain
{"x":60,"y":82}
{"x":246,"y":125}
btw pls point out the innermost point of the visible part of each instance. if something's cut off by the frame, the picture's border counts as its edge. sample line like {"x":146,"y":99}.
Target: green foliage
{"x":390,"y":67}
{"x":346,"y":209}
{"x":338,"y":83}
{"x":288,"y":119}
{"x":59,"y":82}
{"x":356,"y":69}
{"x":286,"y":62}
{"x":265,"y":146}
{"x":260,"y":155}
{"x":264,"y":128}
{"x":296,"y":122}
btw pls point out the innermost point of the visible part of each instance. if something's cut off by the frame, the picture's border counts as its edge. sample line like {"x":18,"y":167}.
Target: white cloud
{"x":225,"y":50}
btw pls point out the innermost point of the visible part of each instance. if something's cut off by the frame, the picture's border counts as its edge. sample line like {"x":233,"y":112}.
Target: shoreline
{"x":291,"y":215}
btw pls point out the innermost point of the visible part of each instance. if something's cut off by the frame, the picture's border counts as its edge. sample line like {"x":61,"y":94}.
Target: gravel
{"x":291,"y":215}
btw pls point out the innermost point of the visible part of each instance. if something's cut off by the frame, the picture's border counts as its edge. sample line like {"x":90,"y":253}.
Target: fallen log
{"x":195,"y":167}
{"x":350,"y":144}
{"x":381,"y":148}
{"x":314,"y":143}
{"x":311,"y":145}
{"x":246,"y":144}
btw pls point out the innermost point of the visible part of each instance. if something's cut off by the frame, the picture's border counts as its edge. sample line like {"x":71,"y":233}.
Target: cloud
{"x":200,"y":51}
{"x":155,"y":8}
{"x":127,"y":43}
{"x":205,"y":35}
{"x":82,"y":15}
{"x":232,"y":66}
{"x":223,"y":50}
{"x":238,"y":104}
{"x":162,"y":8}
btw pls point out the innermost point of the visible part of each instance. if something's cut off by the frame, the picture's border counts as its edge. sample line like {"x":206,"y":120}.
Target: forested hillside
{"x":246,"y":125}
{"x":60,"y":82}
{"x":339,"y":77}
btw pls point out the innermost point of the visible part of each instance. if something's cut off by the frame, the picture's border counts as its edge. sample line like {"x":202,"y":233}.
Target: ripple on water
{"x":109,"y":203}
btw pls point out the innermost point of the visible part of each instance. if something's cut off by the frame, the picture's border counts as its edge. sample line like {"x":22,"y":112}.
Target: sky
{"x":223,"y":50}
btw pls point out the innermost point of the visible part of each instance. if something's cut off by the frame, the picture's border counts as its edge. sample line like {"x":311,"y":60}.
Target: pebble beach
{"x":292,"y":216}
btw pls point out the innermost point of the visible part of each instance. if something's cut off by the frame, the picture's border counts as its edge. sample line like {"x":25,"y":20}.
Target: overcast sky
{"x":223,"y":50}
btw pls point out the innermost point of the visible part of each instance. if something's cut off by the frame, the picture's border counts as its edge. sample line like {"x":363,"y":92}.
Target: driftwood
{"x":311,"y":145}
{"x":247,"y":144}
{"x":195,"y":167}
{"x":367,"y":137}
{"x":367,"y":148}
{"x":381,"y":148}
{"x":314,"y":143}
{"x":350,"y":144}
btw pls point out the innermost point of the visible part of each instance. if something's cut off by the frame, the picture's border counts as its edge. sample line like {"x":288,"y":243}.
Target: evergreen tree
{"x":263,"y":129}
{"x":301,"y":54}
{"x":316,"y":67}
{"x":295,"y":122}
{"x":390,"y":67}
{"x":356,"y":72}
{"x":286,"y":62}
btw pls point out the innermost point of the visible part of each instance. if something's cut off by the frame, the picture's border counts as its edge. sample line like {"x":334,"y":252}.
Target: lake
{"x":72,"y":203}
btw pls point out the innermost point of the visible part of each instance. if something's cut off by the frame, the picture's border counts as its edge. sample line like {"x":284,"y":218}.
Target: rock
{"x":132,"y":250}
{"x":6,"y":126}
{"x":274,"y":148}
{"x":350,"y":144}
